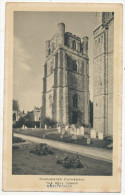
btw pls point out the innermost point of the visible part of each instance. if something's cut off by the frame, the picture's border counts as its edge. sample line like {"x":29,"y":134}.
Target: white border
{"x":2,"y":46}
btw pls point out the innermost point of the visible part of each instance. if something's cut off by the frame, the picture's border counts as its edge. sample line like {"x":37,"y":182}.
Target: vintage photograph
{"x":63,"y":93}
{"x":63,"y":97}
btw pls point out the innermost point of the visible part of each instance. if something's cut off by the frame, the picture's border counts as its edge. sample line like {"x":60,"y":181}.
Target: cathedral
{"x":103,"y":72}
{"x":65,"y":96}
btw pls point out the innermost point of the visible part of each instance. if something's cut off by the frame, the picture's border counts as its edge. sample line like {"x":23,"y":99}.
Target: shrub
{"x":85,"y":125}
{"x":30,"y":124}
{"x":49,"y":122}
{"x":70,"y":162}
{"x":19,"y":124}
{"x":18,"y":140}
{"x":42,"y":149}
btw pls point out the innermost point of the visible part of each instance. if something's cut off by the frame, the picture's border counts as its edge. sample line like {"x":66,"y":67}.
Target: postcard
{"x":63,"y":97}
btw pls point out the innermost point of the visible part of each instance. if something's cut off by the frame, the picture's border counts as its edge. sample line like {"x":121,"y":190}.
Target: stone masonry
{"x":65,"y":96}
{"x":103,"y":73}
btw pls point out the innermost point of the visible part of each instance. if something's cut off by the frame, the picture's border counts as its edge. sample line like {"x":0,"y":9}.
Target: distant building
{"x":103,"y":72}
{"x":65,"y":96}
{"x":16,"y":110}
{"x":35,"y":115}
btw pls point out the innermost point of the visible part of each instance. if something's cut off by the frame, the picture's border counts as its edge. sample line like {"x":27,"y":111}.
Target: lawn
{"x":26,"y":163}
{"x":34,"y":132}
{"x":54,"y":135}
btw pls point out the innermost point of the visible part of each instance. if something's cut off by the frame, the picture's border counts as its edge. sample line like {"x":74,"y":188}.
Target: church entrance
{"x":74,"y":117}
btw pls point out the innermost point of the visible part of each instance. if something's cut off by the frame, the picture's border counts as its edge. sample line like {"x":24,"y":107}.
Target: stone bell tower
{"x":103,"y":72}
{"x":65,"y":96}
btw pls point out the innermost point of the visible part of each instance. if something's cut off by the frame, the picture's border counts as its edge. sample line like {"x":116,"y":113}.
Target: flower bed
{"x":17,"y":140}
{"x":71,"y":162}
{"x":42,"y":149}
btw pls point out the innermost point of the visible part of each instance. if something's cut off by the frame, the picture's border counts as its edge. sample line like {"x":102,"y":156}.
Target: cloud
{"x":21,"y":56}
{"x":22,"y":64}
{"x":29,"y":99}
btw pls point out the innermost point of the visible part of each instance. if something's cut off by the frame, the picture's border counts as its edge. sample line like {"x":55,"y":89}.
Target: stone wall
{"x":103,"y":74}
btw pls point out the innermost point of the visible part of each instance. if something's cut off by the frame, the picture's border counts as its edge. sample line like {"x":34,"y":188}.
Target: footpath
{"x":95,"y":153}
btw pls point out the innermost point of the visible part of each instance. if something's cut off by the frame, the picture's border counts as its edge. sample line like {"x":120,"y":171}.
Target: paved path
{"x":21,"y":143}
{"x":100,"y":154}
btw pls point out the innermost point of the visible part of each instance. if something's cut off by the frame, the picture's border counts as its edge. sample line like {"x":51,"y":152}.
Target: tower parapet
{"x":66,"y":39}
{"x":47,"y":48}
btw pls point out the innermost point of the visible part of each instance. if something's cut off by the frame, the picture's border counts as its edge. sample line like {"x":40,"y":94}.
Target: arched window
{"x":50,"y":100}
{"x":74,"y":45}
{"x":75,"y":101}
{"x":74,"y":66}
{"x":49,"y":51}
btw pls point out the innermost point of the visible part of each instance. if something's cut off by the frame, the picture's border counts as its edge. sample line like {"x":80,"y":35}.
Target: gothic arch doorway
{"x":74,"y":117}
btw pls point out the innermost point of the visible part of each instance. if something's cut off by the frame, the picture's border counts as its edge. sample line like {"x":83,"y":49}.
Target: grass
{"x":34,"y":132}
{"x":54,"y":135}
{"x":81,"y":140}
{"x":26,"y":163}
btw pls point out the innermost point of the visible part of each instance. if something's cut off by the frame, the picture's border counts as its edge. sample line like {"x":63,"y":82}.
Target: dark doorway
{"x":74,"y":117}
{"x":14,"y":117}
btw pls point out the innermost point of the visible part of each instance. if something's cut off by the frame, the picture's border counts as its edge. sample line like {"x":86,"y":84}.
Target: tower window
{"x":75,"y":101}
{"x":74,"y":45}
{"x":49,"y":51}
{"x":52,"y":46}
{"x":74,"y":66}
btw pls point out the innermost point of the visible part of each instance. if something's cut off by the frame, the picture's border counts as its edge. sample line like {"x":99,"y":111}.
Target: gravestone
{"x":63,"y":130}
{"x":81,"y":130}
{"x":100,"y":135}
{"x":93,"y":134}
{"x":74,"y":137}
{"x":78,"y":131}
{"x":23,"y":127}
{"x":70,"y":130}
{"x":74,"y":129}
{"x":66,"y":128}
{"x":45,"y":126}
{"x":61,"y":136}
{"x":88,"y":140}
{"x":59,"y":129}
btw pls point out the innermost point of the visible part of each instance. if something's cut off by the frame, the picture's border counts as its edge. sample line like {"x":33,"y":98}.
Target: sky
{"x":31,"y":30}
